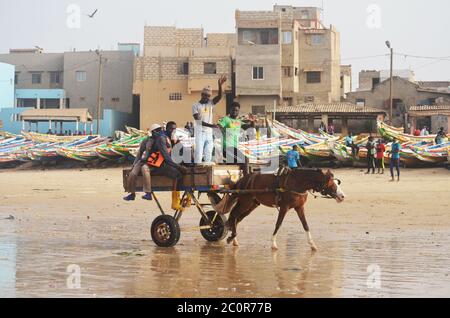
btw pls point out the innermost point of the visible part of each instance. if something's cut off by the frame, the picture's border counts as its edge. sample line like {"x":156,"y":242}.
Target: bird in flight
{"x":92,"y":15}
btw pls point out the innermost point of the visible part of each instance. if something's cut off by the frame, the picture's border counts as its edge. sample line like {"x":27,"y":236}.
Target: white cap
{"x":155,"y":126}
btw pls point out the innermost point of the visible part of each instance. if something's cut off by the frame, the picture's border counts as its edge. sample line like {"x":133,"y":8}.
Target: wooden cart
{"x":212,"y":180}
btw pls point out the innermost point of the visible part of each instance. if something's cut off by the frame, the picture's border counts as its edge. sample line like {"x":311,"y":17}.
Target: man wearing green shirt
{"x":231,"y":130}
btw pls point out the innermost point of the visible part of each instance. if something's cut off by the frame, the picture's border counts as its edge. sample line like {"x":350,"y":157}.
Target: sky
{"x":419,"y":28}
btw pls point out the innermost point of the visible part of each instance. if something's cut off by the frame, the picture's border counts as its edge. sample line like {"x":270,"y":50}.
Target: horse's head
{"x":332,"y":188}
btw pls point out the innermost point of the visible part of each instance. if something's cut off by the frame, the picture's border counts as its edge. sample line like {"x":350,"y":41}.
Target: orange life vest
{"x":156,"y":160}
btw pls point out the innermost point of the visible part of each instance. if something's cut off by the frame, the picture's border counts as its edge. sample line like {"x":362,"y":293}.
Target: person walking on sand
{"x":371,"y":153}
{"x":381,"y":149}
{"x":395,"y":159}
{"x":203,"y":115}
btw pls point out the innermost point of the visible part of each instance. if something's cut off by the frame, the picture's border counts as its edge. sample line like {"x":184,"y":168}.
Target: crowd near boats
{"x":317,"y":148}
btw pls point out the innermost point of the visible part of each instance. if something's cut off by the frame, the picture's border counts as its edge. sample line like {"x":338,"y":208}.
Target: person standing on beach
{"x":371,"y":152}
{"x":395,"y":159}
{"x":381,"y":149}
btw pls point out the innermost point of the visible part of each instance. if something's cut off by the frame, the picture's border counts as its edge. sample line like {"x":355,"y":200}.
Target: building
{"x":133,"y":47}
{"x":285,"y":57}
{"x":71,"y":80}
{"x":433,"y":117}
{"x":368,"y":79}
{"x":6,"y":85}
{"x":177,"y":64}
{"x":346,"y":80}
{"x":344,"y":116}
{"x":405,"y":95}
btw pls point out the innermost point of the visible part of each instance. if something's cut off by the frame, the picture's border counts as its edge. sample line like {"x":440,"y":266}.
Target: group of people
{"x":154,"y":155}
{"x":375,"y":157}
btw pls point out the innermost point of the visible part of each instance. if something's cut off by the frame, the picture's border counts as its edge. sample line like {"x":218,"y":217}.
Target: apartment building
{"x":177,"y":64}
{"x":286,"y":57}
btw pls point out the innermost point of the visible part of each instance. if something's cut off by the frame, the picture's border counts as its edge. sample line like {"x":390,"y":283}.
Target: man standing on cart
{"x":203,"y":115}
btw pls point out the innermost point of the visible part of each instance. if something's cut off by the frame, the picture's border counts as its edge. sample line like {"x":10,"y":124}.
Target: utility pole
{"x":99,"y":87}
{"x":391,"y":91}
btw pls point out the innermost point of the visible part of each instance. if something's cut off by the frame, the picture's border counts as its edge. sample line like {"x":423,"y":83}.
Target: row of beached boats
{"x":416,"y":151}
{"x":40,"y":147}
{"x":316,"y":148}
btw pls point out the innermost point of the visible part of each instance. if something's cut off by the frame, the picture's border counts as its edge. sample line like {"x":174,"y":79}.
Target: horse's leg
{"x":243,"y":216}
{"x":301,"y":214}
{"x":245,"y":203}
{"x":282,"y":213}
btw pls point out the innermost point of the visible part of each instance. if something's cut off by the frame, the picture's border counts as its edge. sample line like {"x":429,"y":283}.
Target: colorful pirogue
{"x":318,"y":148}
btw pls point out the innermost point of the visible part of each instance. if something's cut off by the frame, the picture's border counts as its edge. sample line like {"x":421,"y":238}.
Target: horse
{"x":284,"y":192}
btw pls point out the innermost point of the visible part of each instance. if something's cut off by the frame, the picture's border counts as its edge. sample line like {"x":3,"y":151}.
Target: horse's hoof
{"x":235,"y":243}
{"x":229,"y":240}
{"x":314,"y":248}
{"x":274,"y":248}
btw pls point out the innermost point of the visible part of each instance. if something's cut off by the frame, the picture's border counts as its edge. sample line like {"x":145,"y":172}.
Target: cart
{"x":212,"y":180}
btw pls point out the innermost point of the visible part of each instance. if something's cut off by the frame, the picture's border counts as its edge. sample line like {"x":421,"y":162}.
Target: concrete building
{"x":177,"y":64}
{"x":368,"y":79}
{"x":71,"y":80}
{"x":285,"y":56}
{"x":6,"y":85}
{"x":346,"y":80}
{"x":405,"y":95}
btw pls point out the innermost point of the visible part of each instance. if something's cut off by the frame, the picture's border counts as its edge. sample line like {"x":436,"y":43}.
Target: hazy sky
{"x":414,"y":27}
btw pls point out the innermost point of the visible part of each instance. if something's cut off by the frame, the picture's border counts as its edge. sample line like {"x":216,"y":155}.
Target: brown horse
{"x":285,"y":192}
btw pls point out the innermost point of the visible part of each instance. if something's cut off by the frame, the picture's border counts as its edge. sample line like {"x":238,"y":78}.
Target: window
{"x":247,"y":36}
{"x":183,"y":68}
{"x":258,"y":110}
{"x":36,"y":78}
{"x":265,"y":35}
{"x":313,"y":77}
{"x":286,"y":71}
{"x":316,"y":39}
{"x":81,"y":76}
{"x":287,"y":37}
{"x":210,"y":68}
{"x":16,"y":78}
{"x":375,"y":81}
{"x":175,"y":96}
{"x":258,"y":36}
{"x":309,"y":99}
{"x":115,"y":99}
{"x":296,"y":71}
{"x":304,"y":15}
{"x":258,"y":72}
{"x":55,"y":77}
{"x":361,"y":102}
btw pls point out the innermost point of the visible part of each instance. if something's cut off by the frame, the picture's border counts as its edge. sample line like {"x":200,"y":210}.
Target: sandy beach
{"x":50,"y":220}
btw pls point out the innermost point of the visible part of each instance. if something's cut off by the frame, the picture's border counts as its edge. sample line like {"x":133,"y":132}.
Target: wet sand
{"x":66,"y":217}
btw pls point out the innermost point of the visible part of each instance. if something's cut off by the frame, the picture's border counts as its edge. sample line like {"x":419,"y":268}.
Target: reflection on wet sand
{"x":109,"y":241}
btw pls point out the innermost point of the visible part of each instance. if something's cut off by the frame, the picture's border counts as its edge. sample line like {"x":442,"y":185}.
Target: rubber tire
{"x":173,"y":230}
{"x":219,"y":230}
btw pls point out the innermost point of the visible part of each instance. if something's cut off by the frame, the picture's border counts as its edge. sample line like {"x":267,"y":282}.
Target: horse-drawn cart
{"x":212,"y":180}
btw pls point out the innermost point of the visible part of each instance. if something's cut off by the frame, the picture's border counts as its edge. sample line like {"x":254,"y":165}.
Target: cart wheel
{"x":219,"y":229}
{"x":165,"y":231}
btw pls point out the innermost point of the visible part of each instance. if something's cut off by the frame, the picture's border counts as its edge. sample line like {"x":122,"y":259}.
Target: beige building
{"x":286,"y":57}
{"x":177,"y":64}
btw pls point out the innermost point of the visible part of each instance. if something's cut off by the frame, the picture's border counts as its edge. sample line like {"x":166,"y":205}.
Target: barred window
{"x":175,"y":96}
{"x":313,"y":77}
{"x":210,"y":68}
{"x":259,"y":110}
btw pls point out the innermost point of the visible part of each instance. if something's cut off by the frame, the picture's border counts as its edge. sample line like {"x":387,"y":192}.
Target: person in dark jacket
{"x":371,"y":153}
{"x":140,"y":166}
